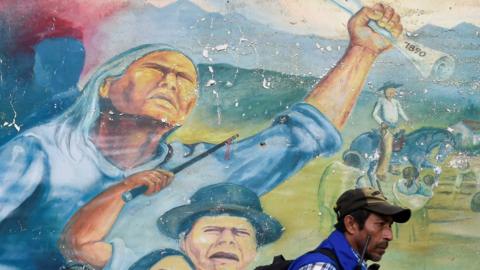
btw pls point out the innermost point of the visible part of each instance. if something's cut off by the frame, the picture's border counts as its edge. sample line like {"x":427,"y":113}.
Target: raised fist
{"x":362,"y":35}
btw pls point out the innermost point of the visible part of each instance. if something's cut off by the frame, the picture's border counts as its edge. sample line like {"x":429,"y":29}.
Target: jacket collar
{"x":347,"y":256}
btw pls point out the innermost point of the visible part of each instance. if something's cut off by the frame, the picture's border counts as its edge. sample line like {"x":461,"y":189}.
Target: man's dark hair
{"x":360,"y":216}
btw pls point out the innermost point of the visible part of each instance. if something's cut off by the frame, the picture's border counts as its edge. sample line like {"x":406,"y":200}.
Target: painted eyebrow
{"x":241,"y":230}
{"x":166,"y":70}
{"x":213,"y":227}
{"x":223,"y":228}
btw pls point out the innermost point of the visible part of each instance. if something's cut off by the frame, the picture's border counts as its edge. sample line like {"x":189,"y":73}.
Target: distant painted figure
{"x":35,"y":90}
{"x":386,"y":112}
{"x":417,"y":150}
{"x":412,"y":192}
{"x":410,"y":184}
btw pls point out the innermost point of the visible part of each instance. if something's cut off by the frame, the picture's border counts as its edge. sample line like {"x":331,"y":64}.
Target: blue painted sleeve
{"x":22,"y":167}
{"x":266,"y":159}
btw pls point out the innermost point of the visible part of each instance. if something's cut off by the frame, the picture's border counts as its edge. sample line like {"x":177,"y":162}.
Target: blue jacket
{"x":336,"y":242}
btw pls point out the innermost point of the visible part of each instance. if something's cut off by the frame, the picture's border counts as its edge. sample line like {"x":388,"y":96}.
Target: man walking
{"x":363,"y":231}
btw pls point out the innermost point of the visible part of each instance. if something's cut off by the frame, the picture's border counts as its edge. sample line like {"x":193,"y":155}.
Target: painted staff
{"x":135,"y":192}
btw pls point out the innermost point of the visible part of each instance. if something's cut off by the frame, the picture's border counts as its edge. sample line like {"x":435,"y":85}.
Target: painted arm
{"x":338,"y":92}
{"x":376,"y":112}
{"x":401,"y":111}
{"x":83,"y":237}
{"x":22,"y":168}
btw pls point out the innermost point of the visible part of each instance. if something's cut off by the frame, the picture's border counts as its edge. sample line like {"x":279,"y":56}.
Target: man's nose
{"x":170,"y":81}
{"x":226,"y":237}
{"x":388,"y":234}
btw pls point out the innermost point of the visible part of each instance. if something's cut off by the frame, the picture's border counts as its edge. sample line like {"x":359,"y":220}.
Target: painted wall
{"x":81,"y":113}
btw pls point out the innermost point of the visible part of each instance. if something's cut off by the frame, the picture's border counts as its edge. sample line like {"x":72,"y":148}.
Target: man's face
{"x":390,"y":93}
{"x":161,"y":85}
{"x":221,"y":242}
{"x":380,"y":230}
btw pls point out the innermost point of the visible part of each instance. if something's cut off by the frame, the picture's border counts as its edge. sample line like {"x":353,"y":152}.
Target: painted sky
{"x":309,"y":16}
{"x":109,"y":27}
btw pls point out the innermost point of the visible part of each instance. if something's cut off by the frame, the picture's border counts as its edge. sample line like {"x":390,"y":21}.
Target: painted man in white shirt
{"x":386,"y":113}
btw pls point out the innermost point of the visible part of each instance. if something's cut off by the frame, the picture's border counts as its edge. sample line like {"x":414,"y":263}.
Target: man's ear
{"x":105,"y":88}
{"x":351,"y":225}
{"x":182,"y":243}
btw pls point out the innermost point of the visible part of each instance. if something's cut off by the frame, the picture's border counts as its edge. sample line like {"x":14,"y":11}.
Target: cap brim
{"x":399,"y":214}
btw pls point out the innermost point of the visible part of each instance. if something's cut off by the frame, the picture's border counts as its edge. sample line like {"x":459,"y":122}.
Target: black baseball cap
{"x":372,"y":200}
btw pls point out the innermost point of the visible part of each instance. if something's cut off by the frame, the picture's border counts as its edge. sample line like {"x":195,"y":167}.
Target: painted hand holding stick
{"x":155,"y":180}
{"x":80,"y":242}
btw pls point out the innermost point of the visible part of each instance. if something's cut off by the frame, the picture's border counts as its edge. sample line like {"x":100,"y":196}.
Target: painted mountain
{"x":244,"y":64}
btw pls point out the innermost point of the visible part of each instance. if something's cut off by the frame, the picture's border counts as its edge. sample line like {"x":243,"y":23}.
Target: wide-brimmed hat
{"x":388,"y":85}
{"x":372,"y":200}
{"x":220,"y":199}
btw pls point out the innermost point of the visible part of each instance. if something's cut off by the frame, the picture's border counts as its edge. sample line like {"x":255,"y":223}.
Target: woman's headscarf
{"x":81,"y":116}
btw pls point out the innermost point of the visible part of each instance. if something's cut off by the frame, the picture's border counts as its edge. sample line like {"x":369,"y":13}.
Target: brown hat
{"x":372,"y":200}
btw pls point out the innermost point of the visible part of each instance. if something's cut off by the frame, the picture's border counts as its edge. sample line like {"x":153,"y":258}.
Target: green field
{"x":442,"y":235}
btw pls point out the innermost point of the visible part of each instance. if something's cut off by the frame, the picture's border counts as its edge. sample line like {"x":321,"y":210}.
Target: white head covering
{"x":81,"y":116}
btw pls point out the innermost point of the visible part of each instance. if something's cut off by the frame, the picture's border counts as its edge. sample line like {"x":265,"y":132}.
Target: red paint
{"x":29,"y":22}
{"x":227,"y":151}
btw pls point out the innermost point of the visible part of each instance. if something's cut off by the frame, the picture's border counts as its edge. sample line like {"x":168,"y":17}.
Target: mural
{"x":163,"y":134}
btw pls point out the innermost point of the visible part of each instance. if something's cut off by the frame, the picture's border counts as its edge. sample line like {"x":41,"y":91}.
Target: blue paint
{"x":40,"y":85}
